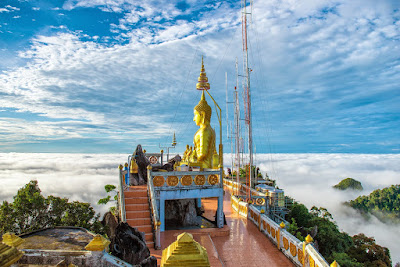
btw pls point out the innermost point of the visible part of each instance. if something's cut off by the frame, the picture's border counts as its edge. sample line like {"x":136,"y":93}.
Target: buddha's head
{"x":202,"y":112}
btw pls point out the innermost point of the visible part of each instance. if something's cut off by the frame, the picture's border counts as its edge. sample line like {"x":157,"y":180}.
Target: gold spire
{"x":174,"y":141}
{"x":203,"y":80}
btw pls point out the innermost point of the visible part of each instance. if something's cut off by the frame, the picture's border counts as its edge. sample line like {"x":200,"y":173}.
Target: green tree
{"x":300,"y":214}
{"x":31,"y":211}
{"x":329,"y":238}
{"x":370,"y":254}
{"x":110,"y":189}
{"x":344,"y":260}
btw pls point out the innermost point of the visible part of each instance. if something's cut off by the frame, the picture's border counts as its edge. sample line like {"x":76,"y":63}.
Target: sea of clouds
{"x":306,"y":177}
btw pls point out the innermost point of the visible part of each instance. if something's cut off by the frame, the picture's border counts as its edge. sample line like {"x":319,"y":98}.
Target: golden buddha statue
{"x":193,"y":155}
{"x":185,"y":154}
{"x":203,"y":154}
{"x":204,"y":139}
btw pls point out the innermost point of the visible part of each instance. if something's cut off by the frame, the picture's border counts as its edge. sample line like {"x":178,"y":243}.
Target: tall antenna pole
{"x":227,"y":113}
{"x":247,"y":94}
{"x":237,"y":129}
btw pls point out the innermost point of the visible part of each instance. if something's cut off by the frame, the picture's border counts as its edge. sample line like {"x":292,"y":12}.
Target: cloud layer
{"x":306,"y":177}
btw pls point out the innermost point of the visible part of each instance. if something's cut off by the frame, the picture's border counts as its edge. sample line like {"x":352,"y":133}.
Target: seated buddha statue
{"x":204,"y":139}
{"x":185,"y":154}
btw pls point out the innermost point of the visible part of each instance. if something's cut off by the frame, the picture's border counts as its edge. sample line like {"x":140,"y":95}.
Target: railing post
{"x":121,"y":195}
{"x":158,"y":239}
{"x":127,"y":174}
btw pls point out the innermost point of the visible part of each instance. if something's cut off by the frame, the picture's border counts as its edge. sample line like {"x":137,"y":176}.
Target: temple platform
{"x":239,"y":243}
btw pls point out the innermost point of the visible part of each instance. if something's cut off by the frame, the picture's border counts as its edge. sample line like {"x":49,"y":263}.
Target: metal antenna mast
{"x":228,"y":125}
{"x":237,"y":129}
{"x":247,"y":94}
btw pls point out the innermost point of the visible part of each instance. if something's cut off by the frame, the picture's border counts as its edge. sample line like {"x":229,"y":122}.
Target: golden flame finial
{"x":203,"y":80}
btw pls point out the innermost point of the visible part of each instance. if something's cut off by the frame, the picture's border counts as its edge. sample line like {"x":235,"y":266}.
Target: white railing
{"x":154,"y":211}
{"x":121,"y":195}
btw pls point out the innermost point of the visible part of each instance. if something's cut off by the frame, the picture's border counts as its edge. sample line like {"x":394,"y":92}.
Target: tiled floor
{"x":240,"y":243}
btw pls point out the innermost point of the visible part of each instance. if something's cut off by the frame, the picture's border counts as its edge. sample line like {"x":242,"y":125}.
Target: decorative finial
{"x":334,"y":264}
{"x":309,"y":239}
{"x":203,"y":80}
{"x":282,"y":225}
{"x":174,"y":141}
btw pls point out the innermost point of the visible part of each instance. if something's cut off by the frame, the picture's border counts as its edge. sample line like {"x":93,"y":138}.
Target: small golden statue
{"x":185,"y":154}
{"x":193,"y":155}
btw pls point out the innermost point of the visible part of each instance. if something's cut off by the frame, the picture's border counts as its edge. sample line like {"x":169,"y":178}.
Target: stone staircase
{"x":138,"y":212}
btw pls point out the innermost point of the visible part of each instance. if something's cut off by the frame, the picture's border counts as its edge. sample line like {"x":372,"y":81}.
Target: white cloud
{"x":8,"y":8}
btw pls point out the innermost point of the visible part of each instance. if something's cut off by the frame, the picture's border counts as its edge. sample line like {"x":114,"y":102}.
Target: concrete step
{"x":148,"y":237}
{"x":150,"y":244}
{"x":138,"y":214}
{"x":138,"y":221}
{"x":136,"y":200}
{"x":136,"y":193}
{"x":144,"y":228}
{"x":136,"y":207}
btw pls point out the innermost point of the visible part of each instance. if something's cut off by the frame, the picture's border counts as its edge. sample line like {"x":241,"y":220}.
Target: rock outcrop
{"x":129,"y":245}
{"x":180,"y":212}
{"x":110,"y":223}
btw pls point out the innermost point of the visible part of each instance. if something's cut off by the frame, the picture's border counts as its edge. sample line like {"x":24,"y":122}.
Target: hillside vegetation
{"x":349,"y":183}
{"x":383,"y":203}
{"x":349,"y":251}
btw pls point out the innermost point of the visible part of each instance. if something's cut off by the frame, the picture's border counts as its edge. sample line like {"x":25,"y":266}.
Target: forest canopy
{"x":348,"y":183}
{"x":356,"y":251}
{"x":383,"y":203}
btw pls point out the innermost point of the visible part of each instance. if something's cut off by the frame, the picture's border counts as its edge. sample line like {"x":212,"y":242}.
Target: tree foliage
{"x":110,"y":189}
{"x":348,"y":251}
{"x":349,"y":183}
{"x":383,"y":203}
{"x":31,"y":211}
{"x":365,"y":250}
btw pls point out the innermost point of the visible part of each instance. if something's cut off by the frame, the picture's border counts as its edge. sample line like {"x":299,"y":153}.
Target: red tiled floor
{"x":244,"y":246}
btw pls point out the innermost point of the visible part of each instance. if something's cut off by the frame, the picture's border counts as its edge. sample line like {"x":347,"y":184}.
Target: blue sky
{"x":105,"y":75}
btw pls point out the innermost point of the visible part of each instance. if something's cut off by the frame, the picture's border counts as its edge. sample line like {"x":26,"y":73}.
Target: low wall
{"x":79,"y":258}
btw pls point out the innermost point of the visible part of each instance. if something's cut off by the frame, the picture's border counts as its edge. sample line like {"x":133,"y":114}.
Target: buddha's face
{"x":197,"y":118}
